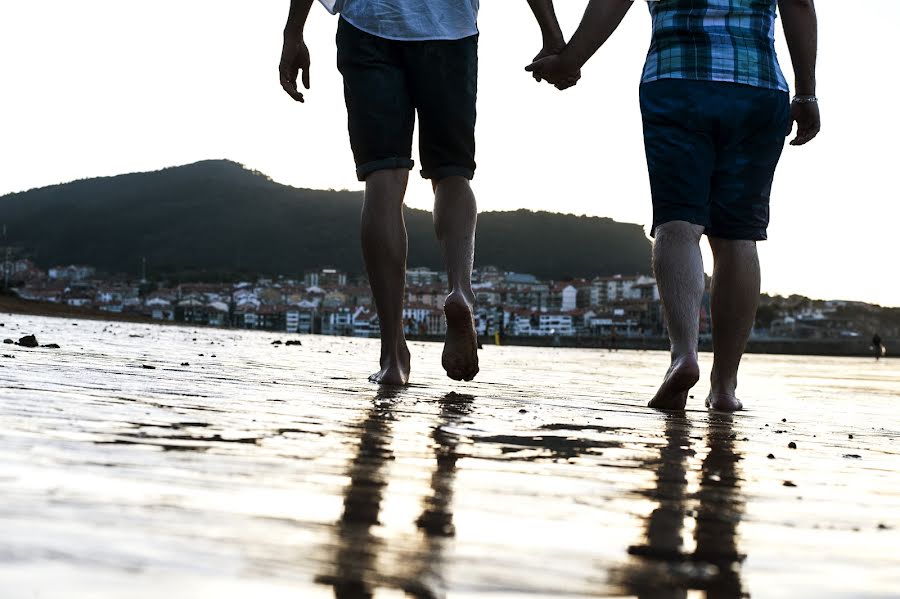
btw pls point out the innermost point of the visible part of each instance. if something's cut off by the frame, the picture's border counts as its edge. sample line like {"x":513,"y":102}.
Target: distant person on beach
{"x":877,"y":346}
{"x":399,"y":59}
{"x":716,"y":110}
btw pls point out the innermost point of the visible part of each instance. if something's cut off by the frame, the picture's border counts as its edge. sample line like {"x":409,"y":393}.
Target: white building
{"x":556,"y":324}
{"x":338,"y":321}
{"x":160,"y":308}
{"x":327,"y":277}
{"x":71,"y":273}
{"x":541,"y":325}
{"x":569,"y":298}
{"x":365,"y":323}
{"x":291,"y":321}
{"x":423,"y":276}
{"x":607,"y":290}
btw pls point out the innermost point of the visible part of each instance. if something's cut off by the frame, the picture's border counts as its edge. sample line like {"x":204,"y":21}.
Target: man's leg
{"x":735,"y":296}
{"x":443,"y":80}
{"x":380,"y":120}
{"x":751,"y":135}
{"x":678,"y":266}
{"x":455,"y":215}
{"x":680,"y":143}
{"x":384,"y":245}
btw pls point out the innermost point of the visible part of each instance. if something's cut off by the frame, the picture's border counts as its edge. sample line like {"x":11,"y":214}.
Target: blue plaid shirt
{"x":714,"y":40}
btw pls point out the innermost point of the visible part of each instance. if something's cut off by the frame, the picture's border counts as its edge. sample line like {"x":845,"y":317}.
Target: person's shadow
{"x":661,"y":567}
{"x":359,"y":566}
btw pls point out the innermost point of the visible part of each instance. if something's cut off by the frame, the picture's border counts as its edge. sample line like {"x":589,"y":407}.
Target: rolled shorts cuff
{"x":743,"y":234}
{"x":364,"y":170}
{"x":658,"y":221}
{"x":441,"y":172}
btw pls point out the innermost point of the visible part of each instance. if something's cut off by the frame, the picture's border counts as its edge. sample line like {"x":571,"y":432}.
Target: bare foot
{"x":723,"y":402}
{"x":394,"y":368}
{"x":460,"y":358}
{"x":682,"y":375}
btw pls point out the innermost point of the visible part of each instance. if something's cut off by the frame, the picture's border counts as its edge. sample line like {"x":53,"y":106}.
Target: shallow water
{"x":272,"y":471}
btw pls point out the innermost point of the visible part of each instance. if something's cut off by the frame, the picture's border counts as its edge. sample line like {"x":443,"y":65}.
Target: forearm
{"x":801,"y":30}
{"x":601,"y":18}
{"x":549,"y":24}
{"x":296,"y":20}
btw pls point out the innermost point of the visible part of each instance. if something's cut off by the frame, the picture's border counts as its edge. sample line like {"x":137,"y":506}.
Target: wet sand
{"x":133,"y":466}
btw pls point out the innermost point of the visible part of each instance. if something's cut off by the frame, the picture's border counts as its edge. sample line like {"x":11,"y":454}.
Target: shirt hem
{"x":762,"y":85}
{"x":447,"y":38}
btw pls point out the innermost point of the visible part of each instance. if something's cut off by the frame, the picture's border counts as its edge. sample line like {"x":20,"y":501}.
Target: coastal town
{"x":330,"y":302}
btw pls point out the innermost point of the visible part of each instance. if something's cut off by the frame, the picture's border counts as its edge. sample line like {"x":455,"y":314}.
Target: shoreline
{"x":14,"y":305}
{"x":782,"y":346}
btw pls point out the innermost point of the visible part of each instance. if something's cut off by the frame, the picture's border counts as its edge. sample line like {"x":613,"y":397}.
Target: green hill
{"x":219,"y":216}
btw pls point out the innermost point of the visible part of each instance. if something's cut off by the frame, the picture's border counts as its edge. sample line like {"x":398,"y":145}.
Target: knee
{"x":386,"y":187}
{"x":452,"y":183}
{"x":389,"y":179}
{"x":678,"y":231}
{"x":727,"y":247}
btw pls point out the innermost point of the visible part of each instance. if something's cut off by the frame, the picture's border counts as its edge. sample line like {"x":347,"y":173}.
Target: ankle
{"x":393,"y":347}
{"x":462,"y":294}
{"x":684,"y":355}
{"x":722,"y":386}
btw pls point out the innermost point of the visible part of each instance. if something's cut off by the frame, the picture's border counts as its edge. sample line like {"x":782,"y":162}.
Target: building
{"x":19,"y":271}
{"x":608,"y":290}
{"x":422,"y":276}
{"x":327,"y":278}
{"x":365,"y":323}
{"x":337,"y":321}
{"x":535,"y":324}
{"x":429,"y":295}
{"x":159,"y":308}
{"x":71,"y":273}
{"x":569,"y":298}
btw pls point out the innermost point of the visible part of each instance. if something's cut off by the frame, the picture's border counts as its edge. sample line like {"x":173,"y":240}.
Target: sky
{"x":104,"y":87}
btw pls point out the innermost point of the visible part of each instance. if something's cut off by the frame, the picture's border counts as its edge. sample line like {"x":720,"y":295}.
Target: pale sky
{"x":103,"y":87}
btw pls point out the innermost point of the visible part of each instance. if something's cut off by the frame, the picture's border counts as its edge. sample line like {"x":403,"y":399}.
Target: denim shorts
{"x":712,"y":149}
{"x":386,"y":82}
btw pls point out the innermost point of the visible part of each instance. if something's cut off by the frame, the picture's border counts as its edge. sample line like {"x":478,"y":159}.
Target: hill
{"x":219,"y":216}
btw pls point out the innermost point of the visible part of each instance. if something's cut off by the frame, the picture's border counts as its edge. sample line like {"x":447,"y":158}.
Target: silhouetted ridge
{"x":217,"y":215}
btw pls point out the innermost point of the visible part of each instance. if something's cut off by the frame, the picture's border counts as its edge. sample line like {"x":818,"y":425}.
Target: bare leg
{"x":735,"y":296}
{"x":455,"y":215}
{"x":678,"y":266}
{"x":384,"y":245}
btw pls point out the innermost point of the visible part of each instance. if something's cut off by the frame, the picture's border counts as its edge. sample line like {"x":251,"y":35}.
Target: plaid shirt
{"x":714,"y":40}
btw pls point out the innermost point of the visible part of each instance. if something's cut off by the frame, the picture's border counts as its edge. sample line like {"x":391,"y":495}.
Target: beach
{"x":141,"y":460}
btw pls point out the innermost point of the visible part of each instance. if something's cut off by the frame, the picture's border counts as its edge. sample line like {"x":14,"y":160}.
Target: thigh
{"x":680,"y":151}
{"x":380,"y":112}
{"x":443,"y":76}
{"x":748,"y":154}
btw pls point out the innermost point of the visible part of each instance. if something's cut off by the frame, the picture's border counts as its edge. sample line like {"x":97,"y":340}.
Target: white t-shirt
{"x":410,"y":20}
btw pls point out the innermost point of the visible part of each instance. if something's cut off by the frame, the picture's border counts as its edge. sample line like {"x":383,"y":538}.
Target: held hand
{"x":545,"y":52}
{"x":555,"y":70}
{"x":806,"y":115}
{"x":294,"y":58}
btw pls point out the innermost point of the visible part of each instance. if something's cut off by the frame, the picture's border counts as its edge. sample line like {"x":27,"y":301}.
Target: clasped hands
{"x":551,"y":65}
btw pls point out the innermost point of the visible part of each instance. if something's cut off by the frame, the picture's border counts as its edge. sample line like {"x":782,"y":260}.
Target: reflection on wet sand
{"x":358,"y":548}
{"x":437,"y":516}
{"x":253,"y":473}
{"x":358,"y":572}
{"x":661,"y":567}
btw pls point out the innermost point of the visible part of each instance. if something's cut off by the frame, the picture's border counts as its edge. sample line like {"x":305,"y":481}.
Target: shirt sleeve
{"x":332,"y":6}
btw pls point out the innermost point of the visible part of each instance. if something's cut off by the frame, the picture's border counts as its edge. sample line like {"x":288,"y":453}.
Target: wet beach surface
{"x":147,"y":461}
